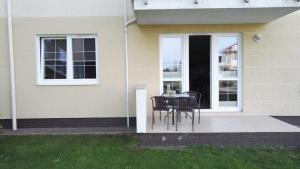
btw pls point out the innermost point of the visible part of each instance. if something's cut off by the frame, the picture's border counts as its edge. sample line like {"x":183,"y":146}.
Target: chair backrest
{"x":191,"y":93}
{"x":186,"y":103}
{"x":164,"y":93}
{"x":197,"y":95}
{"x":159,"y":102}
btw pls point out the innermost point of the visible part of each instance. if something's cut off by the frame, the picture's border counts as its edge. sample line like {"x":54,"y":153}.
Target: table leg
{"x":173,"y":119}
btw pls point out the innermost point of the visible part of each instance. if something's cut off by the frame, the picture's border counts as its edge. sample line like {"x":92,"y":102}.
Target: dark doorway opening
{"x":199,"y":67}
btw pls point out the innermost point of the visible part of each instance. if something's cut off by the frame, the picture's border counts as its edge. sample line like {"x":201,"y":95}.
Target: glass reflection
{"x":228,"y":93}
{"x":228,"y":56}
{"x":173,"y":85}
{"x":172,"y":64}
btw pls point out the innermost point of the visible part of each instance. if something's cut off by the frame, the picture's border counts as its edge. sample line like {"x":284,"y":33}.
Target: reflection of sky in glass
{"x":225,"y":42}
{"x":171,"y":48}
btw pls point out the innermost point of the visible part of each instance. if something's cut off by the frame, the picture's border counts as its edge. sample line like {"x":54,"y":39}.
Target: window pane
{"x":90,"y":55}
{"x":172,"y":85}
{"x":49,"y":72}
{"x":50,"y":62}
{"x":61,"y":56}
{"x":78,"y":56}
{"x":60,"y":72}
{"x":78,"y":72}
{"x":61,"y":45}
{"x":172,"y":57}
{"x":228,"y":93}
{"x":89,"y":44}
{"x":90,"y":72}
{"x":228,"y":56}
{"x":90,"y":63}
{"x":49,"y":55}
{"x":84,"y":58}
{"x":49,"y":45}
{"x":55,"y":58}
{"x":61,"y":62}
{"x":78,"y":63}
{"x":77,"y":44}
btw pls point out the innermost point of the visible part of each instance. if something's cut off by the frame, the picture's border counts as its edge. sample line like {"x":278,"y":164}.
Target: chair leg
{"x":153,"y":119}
{"x":199,"y":117}
{"x":177,"y":113}
{"x":160,"y":115}
{"x":180,"y":117}
{"x":168,"y":122}
{"x":185,"y":115}
{"x":193,"y":119}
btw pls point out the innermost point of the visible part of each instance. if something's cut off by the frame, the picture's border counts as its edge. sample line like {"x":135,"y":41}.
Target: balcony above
{"x":166,"y":12}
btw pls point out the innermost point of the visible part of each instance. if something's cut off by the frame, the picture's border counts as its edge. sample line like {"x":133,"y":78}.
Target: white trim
{"x":214,"y":69}
{"x":69,"y":76}
{"x":12,"y":65}
{"x":185,"y":64}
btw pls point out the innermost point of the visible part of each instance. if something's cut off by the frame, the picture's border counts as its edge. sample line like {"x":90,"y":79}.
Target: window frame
{"x":40,"y":64}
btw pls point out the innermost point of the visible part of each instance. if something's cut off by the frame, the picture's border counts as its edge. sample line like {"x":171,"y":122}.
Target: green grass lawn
{"x":111,"y":152}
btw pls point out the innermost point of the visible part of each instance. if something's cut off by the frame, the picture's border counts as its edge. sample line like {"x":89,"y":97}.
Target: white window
{"x":67,"y":60}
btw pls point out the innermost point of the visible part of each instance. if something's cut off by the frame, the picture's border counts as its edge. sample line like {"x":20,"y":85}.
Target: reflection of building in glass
{"x":175,"y":66}
{"x":172,"y":70}
{"x":228,"y":59}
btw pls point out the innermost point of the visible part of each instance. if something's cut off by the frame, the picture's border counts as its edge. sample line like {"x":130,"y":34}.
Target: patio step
{"x":287,"y":139}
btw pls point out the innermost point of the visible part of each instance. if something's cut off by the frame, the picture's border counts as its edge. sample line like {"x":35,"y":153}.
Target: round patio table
{"x":171,"y":102}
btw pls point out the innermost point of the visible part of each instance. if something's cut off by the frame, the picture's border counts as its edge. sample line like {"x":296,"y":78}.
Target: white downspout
{"x":126,"y":61}
{"x":11,"y":65}
{"x":126,"y":23}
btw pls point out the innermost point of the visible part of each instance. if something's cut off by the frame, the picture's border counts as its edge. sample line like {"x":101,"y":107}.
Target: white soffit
{"x":155,"y":12}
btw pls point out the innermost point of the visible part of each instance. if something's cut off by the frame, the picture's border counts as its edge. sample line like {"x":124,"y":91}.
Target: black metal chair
{"x":186,"y":105}
{"x":198,"y":96}
{"x":159,"y":103}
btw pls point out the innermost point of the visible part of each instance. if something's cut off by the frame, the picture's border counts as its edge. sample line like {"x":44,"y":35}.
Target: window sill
{"x":67,"y":83}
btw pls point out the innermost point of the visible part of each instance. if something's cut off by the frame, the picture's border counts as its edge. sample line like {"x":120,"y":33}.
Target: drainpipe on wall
{"x":11,"y":65}
{"x":126,"y":23}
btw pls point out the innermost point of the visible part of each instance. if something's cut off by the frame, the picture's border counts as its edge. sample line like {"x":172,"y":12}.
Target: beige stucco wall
{"x":4,"y":71}
{"x":107,"y":99}
{"x":271,"y":68}
{"x":33,"y":17}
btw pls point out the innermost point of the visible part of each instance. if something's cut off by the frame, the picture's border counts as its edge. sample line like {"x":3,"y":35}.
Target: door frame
{"x":214,"y":82}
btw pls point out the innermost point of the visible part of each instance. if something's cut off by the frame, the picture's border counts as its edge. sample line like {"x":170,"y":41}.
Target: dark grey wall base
{"x":294,"y":120}
{"x":220,"y":139}
{"x":69,"y":122}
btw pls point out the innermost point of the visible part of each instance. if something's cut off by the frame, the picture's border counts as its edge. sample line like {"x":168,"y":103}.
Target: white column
{"x":141,"y":109}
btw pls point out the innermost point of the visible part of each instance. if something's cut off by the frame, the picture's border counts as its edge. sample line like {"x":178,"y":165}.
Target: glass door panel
{"x":172,"y":52}
{"x":228,"y":71}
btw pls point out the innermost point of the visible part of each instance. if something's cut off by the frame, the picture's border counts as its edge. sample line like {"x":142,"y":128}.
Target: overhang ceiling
{"x":163,"y":12}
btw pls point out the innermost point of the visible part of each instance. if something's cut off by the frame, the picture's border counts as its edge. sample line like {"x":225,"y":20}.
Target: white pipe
{"x":11,"y":65}
{"x":126,"y":61}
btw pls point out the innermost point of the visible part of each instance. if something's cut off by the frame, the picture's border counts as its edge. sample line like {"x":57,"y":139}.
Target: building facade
{"x":70,"y":62}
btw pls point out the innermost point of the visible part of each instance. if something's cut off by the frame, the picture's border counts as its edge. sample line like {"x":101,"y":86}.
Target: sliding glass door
{"x":189,"y":61}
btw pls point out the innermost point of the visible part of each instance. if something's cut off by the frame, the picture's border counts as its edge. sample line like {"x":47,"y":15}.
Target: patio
{"x":222,"y":124}
{"x":223,"y":130}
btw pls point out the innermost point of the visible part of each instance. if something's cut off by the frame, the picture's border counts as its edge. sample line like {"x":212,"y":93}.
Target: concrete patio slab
{"x":223,"y":124}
